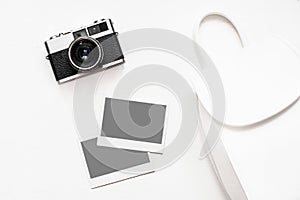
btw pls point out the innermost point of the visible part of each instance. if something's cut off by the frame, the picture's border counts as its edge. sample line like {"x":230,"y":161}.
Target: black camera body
{"x":84,"y":51}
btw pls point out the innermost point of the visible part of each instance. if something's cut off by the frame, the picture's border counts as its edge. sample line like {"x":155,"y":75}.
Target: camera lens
{"x":85,"y":53}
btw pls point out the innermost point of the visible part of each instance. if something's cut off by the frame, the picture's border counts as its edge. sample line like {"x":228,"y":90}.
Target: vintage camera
{"x":83,"y":51}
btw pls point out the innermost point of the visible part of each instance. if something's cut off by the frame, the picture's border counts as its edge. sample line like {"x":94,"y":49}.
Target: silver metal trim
{"x":100,"y":49}
{"x":82,"y":74}
{"x":114,"y":63}
{"x":63,"y":41}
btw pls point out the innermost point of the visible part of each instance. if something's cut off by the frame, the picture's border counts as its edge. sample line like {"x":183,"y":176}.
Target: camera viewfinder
{"x":98,"y":28}
{"x":80,"y":33}
{"x":94,"y":29}
{"x":103,"y":26}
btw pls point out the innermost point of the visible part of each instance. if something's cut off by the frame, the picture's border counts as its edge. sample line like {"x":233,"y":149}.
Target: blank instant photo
{"x":106,"y":165}
{"x":133,"y":125}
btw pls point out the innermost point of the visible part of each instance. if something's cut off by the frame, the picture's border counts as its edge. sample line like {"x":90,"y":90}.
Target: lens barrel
{"x":85,"y":53}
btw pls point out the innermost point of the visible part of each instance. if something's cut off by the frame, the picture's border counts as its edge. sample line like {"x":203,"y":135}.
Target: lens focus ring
{"x":85,"y":53}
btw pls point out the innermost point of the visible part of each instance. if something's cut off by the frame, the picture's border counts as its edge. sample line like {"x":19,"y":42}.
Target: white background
{"x":39,"y":154}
